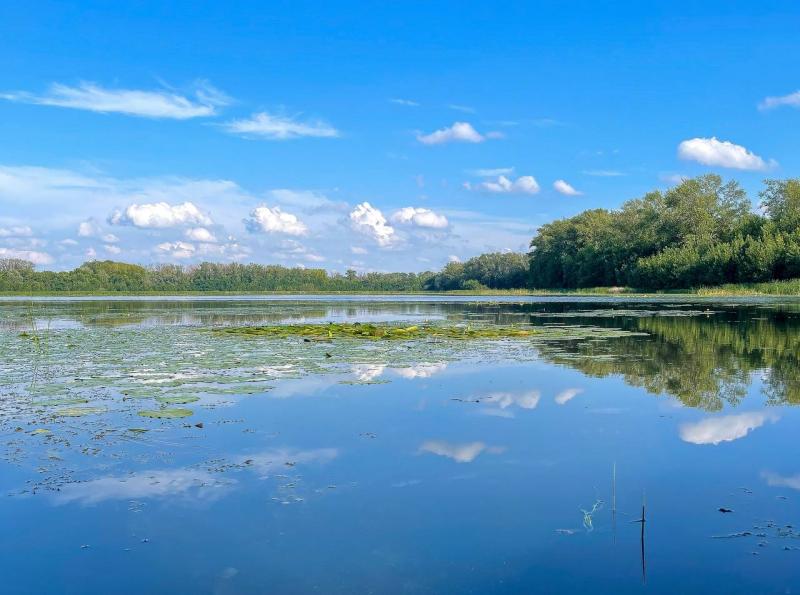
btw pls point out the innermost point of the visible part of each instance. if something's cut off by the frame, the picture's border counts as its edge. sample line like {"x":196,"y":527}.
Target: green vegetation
{"x":325,"y":332}
{"x":701,"y":233}
{"x":167,"y":413}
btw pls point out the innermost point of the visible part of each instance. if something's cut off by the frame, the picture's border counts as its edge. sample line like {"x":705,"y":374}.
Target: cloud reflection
{"x":460,"y":453}
{"x":776,"y":480}
{"x":196,"y":483}
{"x":724,"y":429}
{"x":567,"y":395}
{"x":423,"y":370}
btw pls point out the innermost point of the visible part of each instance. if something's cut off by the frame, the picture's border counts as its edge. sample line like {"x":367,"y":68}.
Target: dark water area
{"x":420,"y":466}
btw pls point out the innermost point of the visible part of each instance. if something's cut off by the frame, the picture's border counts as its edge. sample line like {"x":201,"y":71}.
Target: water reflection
{"x":460,"y":453}
{"x":727,"y":428}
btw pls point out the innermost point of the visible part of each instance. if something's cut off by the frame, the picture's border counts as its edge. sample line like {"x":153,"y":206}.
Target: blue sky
{"x":392,"y":136}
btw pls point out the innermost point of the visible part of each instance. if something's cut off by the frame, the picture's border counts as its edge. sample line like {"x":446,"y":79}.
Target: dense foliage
{"x":701,"y":232}
{"x":108,"y":276}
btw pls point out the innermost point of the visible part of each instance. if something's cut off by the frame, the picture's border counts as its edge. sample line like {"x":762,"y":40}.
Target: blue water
{"x":464,"y":476}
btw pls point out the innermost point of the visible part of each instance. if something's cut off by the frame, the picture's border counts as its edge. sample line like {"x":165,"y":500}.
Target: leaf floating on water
{"x":41,"y":432}
{"x":725,"y":510}
{"x":79,"y":411}
{"x":732,"y":535}
{"x":138,"y":430}
{"x":174,"y":413}
{"x":64,"y":401}
{"x":177,"y":400}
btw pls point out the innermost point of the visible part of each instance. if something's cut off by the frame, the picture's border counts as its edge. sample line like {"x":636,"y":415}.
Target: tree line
{"x":702,"y":232}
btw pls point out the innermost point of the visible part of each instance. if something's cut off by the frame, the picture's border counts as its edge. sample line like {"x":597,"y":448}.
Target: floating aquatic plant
{"x":167,"y":413}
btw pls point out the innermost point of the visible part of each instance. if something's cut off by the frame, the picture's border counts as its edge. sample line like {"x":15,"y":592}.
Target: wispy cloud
{"x":406,"y":102}
{"x":491,"y":172}
{"x":603,"y":173}
{"x":462,"y":108}
{"x":205,"y":102}
{"x":268,"y":126}
{"x":713,"y":152}
{"x":790,"y":100}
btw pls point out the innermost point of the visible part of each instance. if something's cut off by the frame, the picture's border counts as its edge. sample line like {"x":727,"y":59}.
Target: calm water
{"x":389,"y":467}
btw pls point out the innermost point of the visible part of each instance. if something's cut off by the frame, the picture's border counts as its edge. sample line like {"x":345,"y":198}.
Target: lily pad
{"x":177,"y":400}
{"x":79,"y":411}
{"x":64,"y":401}
{"x":173,"y":413}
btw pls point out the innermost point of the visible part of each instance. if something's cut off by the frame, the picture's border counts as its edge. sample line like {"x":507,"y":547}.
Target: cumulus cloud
{"x":459,"y":132}
{"x":504,"y":185}
{"x":419,"y":217}
{"x":725,"y":428}
{"x":562,"y":187}
{"x":110,"y":238}
{"x":266,"y":219}
{"x":160,"y":215}
{"x":274,"y":127}
{"x":790,"y":100}
{"x":460,"y":453}
{"x":38,"y":258}
{"x":713,"y":152}
{"x":367,"y":372}
{"x":370,"y":221}
{"x":88,"y":228}
{"x":112,"y":249}
{"x":200,"y":234}
{"x":178,"y":250}
{"x":147,"y":104}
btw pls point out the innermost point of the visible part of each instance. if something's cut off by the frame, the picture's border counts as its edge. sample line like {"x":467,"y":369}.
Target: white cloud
{"x":274,"y":127}
{"x":370,"y":221}
{"x":491,"y":172}
{"x":274,"y":220}
{"x":16,"y":231}
{"x":33,"y":256}
{"x":200,"y":234}
{"x":724,"y":429}
{"x":790,"y":100}
{"x":460,"y":453}
{"x":562,"y":187}
{"x":112,"y":249}
{"x":147,"y":104}
{"x":91,"y":253}
{"x":713,"y":152}
{"x":504,"y":185}
{"x":160,"y":215}
{"x":462,"y":108}
{"x":420,"y":217}
{"x":567,"y":395}
{"x":603,"y":173}
{"x":462,"y":132}
{"x":110,"y":238}
{"x":178,"y":250}
{"x":87,"y":228}
{"x":406,"y":102}
{"x":358,"y":250}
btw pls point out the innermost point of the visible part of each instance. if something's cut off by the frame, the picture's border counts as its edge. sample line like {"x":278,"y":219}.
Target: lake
{"x":615,"y":446}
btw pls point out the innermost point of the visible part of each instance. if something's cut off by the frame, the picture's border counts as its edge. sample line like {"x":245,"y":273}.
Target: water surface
{"x":501,"y":466}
